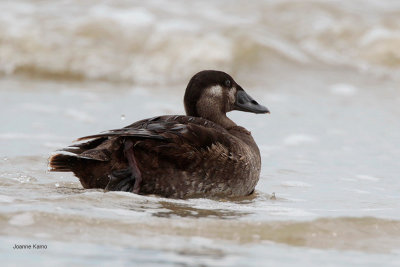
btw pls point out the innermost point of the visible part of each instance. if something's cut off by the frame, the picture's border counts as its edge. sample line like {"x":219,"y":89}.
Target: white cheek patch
{"x":215,"y":91}
{"x":232,"y":94}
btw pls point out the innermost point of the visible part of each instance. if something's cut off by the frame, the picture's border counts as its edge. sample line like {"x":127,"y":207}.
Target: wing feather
{"x":171,"y":137}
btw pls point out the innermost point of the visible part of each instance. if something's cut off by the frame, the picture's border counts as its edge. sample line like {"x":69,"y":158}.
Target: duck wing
{"x":197,"y":132}
{"x":175,"y":143}
{"x":174,"y":139}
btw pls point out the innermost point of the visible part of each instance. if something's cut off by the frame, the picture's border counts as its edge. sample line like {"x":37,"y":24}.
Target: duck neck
{"x":222,"y":120}
{"x":213,"y":114}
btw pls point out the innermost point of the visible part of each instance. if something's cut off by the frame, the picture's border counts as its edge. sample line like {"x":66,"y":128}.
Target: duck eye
{"x":228,"y":83}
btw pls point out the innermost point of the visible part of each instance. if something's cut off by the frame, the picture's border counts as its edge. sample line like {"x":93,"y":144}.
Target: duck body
{"x":197,"y":155}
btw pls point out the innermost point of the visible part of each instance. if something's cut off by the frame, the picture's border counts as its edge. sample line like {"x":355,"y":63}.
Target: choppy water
{"x":328,"y":71}
{"x":153,"y":42}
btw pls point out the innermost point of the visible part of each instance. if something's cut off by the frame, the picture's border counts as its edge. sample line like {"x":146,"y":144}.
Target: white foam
{"x":347,"y":179}
{"x":295,"y":184}
{"x":358,"y":191}
{"x":343,"y":89}
{"x":23,"y":219}
{"x":367,"y":177}
{"x":279,"y":45}
{"x":129,"y":16}
{"x":6,"y":199}
{"x":178,"y":25}
{"x":377,"y":34}
{"x":293,"y":212}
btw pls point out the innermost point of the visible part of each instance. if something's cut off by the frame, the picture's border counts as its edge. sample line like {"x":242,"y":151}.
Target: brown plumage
{"x":202,"y":154}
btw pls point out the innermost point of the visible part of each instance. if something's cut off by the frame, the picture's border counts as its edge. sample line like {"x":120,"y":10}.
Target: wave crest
{"x":145,"y":44}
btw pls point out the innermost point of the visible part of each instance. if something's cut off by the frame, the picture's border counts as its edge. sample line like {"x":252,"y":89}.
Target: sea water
{"x":330,"y":179}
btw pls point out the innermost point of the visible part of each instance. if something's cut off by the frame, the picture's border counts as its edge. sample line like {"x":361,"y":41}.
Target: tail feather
{"x":62,"y":163}
{"x":92,"y":173}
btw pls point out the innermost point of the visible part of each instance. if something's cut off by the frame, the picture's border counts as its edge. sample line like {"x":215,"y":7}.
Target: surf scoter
{"x":202,"y":154}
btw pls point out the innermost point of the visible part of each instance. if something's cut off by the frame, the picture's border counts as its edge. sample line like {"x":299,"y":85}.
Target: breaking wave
{"x":146,"y":43}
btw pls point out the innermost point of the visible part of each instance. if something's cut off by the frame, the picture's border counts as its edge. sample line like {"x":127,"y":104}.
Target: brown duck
{"x":202,"y":154}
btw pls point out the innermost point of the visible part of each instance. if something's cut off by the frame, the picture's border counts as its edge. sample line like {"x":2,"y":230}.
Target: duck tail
{"x":62,"y":163}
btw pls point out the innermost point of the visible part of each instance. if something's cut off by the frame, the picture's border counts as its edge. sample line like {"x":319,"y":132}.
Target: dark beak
{"x":244,"y":102}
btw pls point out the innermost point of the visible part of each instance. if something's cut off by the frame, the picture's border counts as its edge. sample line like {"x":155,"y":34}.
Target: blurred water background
{"x":327,"y":70}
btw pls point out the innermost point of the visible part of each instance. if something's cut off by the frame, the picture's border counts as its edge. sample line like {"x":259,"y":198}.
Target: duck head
{"x":210,"y":94}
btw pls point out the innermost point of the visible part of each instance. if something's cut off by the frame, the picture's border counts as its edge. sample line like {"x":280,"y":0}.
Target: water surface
{"x":329,"y":187}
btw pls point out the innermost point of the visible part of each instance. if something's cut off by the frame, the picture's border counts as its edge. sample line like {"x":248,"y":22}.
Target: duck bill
{"x":246,"y":103}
